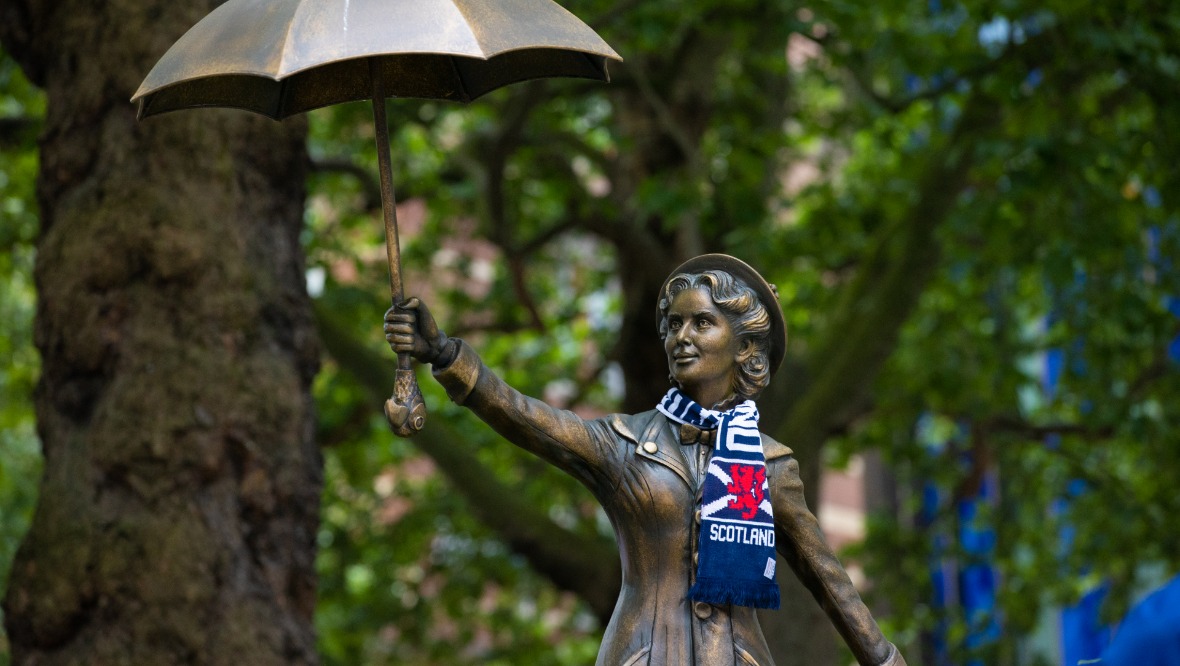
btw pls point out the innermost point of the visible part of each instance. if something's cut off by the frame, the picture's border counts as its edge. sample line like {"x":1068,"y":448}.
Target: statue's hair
{"x":747,"y":317}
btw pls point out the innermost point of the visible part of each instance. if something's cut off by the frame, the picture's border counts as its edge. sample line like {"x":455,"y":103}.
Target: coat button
{"x":696,"y":560}
{"x":650,"y":447}
{"x":697,"y":516}
{"x":702,"y":609}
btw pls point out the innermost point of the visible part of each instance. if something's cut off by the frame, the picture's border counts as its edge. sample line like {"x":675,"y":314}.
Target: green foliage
{"x":21,"y":108}
{"x":1061,"y":245}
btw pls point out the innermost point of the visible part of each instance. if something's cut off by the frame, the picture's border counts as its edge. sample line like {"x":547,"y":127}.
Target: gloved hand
{"x":410,"y":328}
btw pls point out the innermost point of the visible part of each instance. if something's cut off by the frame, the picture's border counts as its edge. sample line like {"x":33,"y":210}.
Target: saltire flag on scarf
{"x":736,"y":548}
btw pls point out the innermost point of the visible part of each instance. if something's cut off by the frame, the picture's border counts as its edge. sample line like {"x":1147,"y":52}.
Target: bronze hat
{"x":767,"y":293}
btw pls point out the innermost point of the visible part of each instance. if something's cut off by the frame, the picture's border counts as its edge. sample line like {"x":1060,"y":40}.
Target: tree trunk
{"x":180,"y":496}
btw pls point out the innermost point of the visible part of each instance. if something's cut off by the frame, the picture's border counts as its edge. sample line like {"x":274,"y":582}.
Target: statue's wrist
{"x":895,"y":658}
{"x":446,"y":352}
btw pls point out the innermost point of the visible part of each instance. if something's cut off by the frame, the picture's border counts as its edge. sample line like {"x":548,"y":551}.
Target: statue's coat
{"x":640,"y":473}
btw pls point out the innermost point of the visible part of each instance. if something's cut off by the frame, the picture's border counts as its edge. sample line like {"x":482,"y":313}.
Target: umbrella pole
{"x":405,"y":409}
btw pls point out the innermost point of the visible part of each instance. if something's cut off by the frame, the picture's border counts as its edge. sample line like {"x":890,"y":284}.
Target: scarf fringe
{"x":721,"y":591}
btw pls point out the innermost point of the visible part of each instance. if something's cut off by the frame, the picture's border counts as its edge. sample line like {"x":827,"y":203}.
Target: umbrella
{"x":283,"y":57}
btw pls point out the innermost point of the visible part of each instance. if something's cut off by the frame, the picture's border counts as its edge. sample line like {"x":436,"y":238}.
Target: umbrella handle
{"x":405,"y":410}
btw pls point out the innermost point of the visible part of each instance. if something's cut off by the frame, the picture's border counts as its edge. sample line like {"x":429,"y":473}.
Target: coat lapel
{"x":657,"y":442}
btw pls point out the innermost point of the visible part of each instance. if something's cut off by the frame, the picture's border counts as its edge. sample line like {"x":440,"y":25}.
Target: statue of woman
{"x":700,"y":500}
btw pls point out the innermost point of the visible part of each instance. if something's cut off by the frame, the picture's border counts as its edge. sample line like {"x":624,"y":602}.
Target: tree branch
{"x":664,"y":116}
{"x":586,"y":382}
{"x":573,"y":142}
{"x":971,"y":74}
{"x":19,"y":131}
{"x":516,"y":269}
{"x":18,"y":37}
{"x":618,"y":11}
{"x":495,"y":159}
{"x":461,"y":330}
{"x":545,"y":237}
{"x":355,"y":424}
{"x":1156,"y":370}
{"x":1018,"y":426}
{"x":370,"y":188}
{"x":897,"y":105}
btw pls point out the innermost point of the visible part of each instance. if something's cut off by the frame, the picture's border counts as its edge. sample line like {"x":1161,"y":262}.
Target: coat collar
{"x":657,"y":441}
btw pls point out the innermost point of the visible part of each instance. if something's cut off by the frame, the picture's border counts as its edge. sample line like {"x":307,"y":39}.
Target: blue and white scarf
{"x":736,"y":550}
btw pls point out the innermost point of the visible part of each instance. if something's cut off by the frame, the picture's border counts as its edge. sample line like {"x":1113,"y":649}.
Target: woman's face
{"x":703,"y":352}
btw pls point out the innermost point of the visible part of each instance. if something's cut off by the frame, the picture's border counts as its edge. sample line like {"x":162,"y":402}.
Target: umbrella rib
{"x":598,"y":63}
{"x":280,"y":100}
{"x":464,"y":95}
{"x":280,"y":71}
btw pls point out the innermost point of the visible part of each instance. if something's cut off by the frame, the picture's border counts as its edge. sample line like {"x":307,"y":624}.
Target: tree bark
{"x":179,"y":502}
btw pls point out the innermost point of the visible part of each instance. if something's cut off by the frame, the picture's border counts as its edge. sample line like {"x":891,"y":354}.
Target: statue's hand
{"x":410,"y":329}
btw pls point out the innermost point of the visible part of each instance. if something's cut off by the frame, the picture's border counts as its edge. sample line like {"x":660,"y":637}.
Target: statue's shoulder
{"x":773,"y":449}
{"x":631,"y":426}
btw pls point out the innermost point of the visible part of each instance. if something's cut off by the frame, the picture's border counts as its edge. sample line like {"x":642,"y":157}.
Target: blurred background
{"x":969,"y":209}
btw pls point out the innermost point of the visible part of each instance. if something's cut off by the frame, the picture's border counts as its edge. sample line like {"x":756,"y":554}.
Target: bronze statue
{"x":698,"y":498}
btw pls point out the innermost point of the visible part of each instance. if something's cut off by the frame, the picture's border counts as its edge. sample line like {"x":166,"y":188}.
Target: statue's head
{"x":722,"y":327}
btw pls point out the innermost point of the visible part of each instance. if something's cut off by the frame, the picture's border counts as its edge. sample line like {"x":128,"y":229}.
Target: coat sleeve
{"x":584,"y":449}
{"x":802,"y":544}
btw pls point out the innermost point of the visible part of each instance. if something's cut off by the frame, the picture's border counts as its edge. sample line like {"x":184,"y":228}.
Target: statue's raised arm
{"x":699,"y":498}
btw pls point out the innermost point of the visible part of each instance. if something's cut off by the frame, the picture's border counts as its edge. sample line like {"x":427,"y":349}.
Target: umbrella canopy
{"x":282,"y":57}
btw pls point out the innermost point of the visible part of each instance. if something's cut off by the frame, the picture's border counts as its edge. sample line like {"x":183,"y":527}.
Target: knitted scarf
{"x":736,"y":548}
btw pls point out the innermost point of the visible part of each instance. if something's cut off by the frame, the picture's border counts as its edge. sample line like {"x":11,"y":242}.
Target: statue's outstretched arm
{"x":582,"y":448}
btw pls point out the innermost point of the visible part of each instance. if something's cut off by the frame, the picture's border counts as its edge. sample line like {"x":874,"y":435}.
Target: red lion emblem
{"x":747,"y":489}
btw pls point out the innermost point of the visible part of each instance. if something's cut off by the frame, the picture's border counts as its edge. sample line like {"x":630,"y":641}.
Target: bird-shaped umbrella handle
{"x":405,"y":410}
